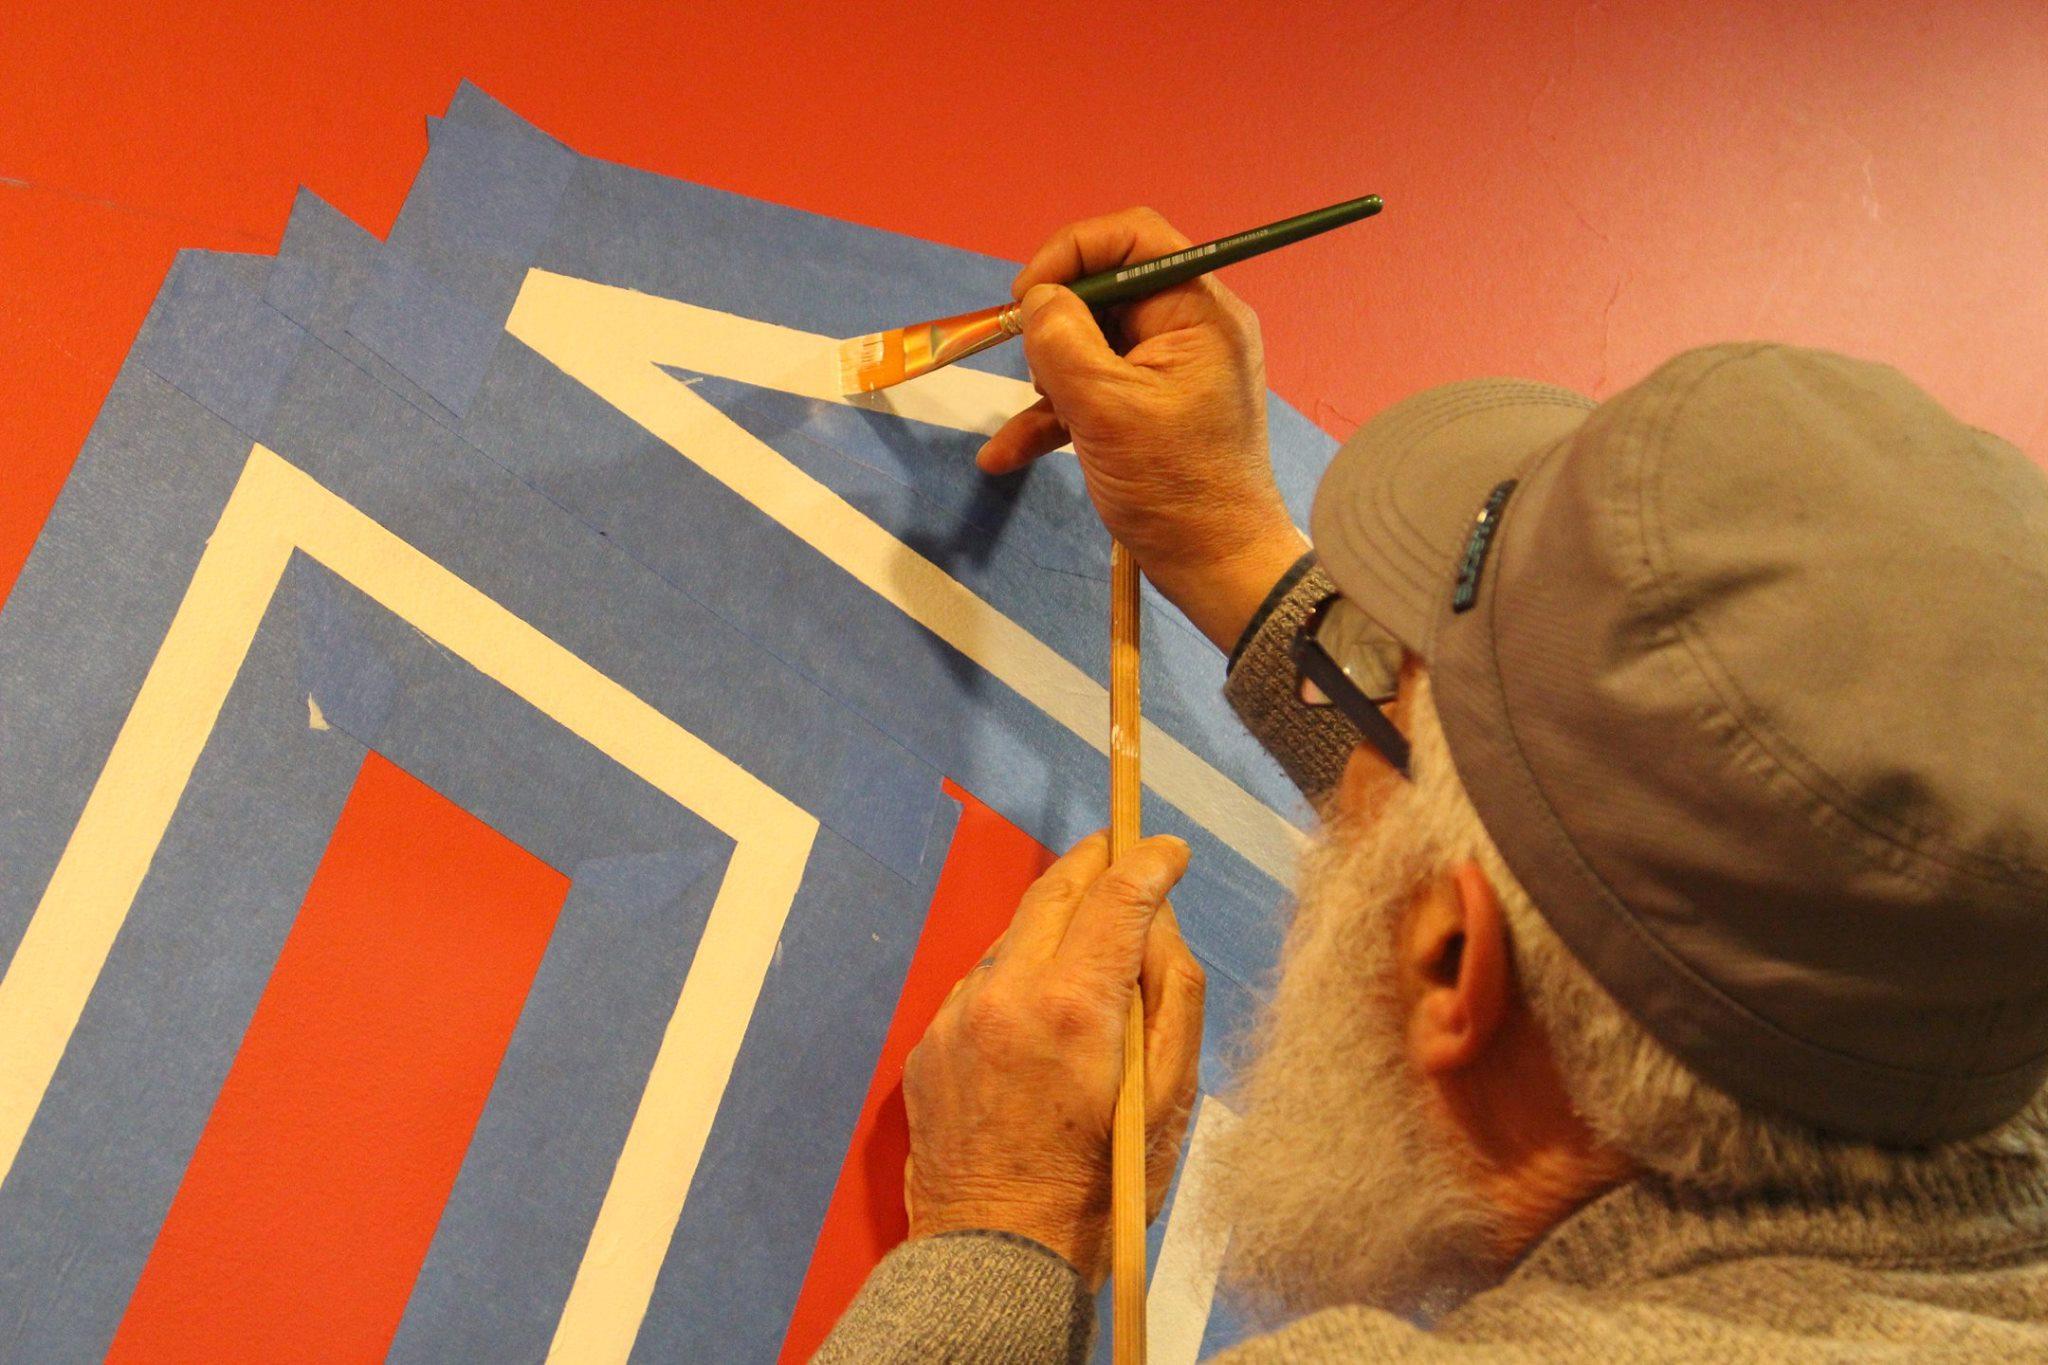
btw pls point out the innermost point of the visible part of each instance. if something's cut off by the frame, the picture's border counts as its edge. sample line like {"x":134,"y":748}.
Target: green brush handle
{"x":1128,"y":282}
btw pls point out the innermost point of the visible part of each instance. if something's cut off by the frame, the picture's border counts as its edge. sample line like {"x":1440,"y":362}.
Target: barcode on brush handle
{"x":1144,"y":268}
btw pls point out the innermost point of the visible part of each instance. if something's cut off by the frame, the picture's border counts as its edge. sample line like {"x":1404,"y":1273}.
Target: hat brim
{"x":1396,"y":505}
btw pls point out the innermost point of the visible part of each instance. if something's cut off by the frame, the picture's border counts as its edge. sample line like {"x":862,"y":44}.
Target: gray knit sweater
{"x":1644,"y":1273}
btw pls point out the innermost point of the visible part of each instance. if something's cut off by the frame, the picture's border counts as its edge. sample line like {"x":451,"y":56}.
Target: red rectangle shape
{"x":306,"y":1213}
{"x":988,"y":867}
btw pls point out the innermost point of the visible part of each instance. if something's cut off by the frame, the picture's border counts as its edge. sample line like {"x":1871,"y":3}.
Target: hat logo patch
{"x":1477,"y":544}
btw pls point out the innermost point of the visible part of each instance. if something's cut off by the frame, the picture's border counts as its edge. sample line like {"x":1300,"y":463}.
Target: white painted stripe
{"x":274,"y":509}
{"x":125,"y":816}
{"x":614,"y":341}
{"x":1190,"y":1255}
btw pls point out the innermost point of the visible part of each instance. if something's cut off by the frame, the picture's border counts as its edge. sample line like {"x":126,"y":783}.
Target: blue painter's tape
{"x":91,"y":607}
{"x":435,"y":305}
{"x":438,"y":337}
{"x":350,"y":682}
{"x":320,"y":242}
{"x":229,"y":361}
{"x":505,"y":1251}
{"x":97,"y":1171}
{"x":222,"y":892}
{"x":324,"y":266}
{"x":411,"y":406}
{"x":482,"y":192}
{"x":317,"y":237}
{"x":687,"y":530}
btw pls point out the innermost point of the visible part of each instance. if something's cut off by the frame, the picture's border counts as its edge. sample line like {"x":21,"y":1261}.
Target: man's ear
{"x":1458,"y":952}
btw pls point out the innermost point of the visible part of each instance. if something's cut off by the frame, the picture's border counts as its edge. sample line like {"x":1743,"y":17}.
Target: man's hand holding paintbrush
{"x":1013,"y":1130}
{"x":1011,"y":1094}
{"x":1171,"y":433}
{"x":1169,"y":421}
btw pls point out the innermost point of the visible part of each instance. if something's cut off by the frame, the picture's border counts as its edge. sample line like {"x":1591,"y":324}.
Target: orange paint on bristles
{"x":881,"y":359}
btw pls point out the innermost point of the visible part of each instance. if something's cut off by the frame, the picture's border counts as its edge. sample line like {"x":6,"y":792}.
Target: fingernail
{"x":1162,"y":878}
{"x":1036,"y":297}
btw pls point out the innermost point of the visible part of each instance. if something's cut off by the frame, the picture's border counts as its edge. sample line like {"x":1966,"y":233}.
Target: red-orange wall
{"x":1574,"y":190}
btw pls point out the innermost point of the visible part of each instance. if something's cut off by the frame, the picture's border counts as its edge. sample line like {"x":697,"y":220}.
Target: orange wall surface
{"x":1574,"y":190}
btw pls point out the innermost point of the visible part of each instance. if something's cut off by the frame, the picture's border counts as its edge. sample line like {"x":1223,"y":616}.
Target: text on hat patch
{"x":1477,"y":544}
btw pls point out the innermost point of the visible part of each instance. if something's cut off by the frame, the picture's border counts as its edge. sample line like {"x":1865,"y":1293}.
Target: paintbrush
{"x":881,"y":359}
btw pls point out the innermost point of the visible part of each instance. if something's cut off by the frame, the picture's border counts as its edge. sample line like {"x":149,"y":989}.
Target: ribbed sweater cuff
{"x":1275,"y":595}
{"x":990,"y":1298}
{"x":1312,"y":743}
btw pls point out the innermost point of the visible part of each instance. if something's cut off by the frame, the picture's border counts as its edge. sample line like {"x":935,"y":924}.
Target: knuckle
{"x":1059,"y":241}
{"x":1159,"y":227}
{"x":1049,"y":345}
{"x":1054,"y":886}
{"x":1040,"y":307}
{"x":1167,"y":1123}
{"x":917,"y":1065}
{"x":1243,"y":320}
{"x":1124,"y":894}
{"x":1070,"y":1014}
{"x":1135,"y":880}
{"x":1043,"y":329}
{"x":988,"y":1015}
{"x":1070,"y":876}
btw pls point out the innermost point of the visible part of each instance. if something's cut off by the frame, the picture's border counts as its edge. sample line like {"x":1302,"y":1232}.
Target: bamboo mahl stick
{"x":1127,"y":1139}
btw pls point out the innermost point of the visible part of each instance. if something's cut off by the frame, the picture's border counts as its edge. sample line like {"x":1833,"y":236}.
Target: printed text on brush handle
{"x":1135,"y":281}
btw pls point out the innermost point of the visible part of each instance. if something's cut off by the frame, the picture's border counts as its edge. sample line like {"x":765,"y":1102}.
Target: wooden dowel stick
{"x":1127,"y":1137}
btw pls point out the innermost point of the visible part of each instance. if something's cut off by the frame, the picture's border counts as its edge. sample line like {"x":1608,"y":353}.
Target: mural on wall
{"x":498,"y":760}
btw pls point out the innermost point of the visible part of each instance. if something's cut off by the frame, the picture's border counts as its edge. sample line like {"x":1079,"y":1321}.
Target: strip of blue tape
{"x":855,"y":725}
{"x":108,"y":1148}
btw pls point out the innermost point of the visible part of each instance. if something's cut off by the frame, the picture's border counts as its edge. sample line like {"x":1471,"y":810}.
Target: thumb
{"x":1064,"y":344}
{"x":1110,"y":925}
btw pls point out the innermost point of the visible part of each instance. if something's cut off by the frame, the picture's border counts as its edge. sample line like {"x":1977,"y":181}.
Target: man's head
{"x":1437,"y":1080}
{"x":1743,"y":674}
{"x":1397,"y":1098}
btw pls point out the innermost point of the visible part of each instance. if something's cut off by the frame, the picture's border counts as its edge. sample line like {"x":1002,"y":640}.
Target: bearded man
{"x":1669,"y":977}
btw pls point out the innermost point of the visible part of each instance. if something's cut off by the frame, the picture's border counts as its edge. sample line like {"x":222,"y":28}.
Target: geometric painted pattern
{"x":543,"y":520}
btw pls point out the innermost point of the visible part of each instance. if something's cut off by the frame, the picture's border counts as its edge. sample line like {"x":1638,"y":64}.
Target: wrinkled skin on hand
{"x":1012,"y":1090}
{"x":1170,"y":432}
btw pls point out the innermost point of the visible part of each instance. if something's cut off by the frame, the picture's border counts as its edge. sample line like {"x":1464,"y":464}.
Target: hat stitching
{"x":1398,"y":458}
{"x":1948,"y":1081}
{"x":1409,"y":566}
{"x":1783,"y":754}
{"x":1391,"y":564}
{"x":1392,"y":518}
{"x":1825,"y":815}
{"x":1486,"y":402}
{"x":1617,"y":912}
{"x":1357,"y":519}
{"x":1411,"y":593}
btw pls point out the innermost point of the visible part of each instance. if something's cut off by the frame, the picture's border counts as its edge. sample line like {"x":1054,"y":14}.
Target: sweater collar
{"x":1649,"y":1228}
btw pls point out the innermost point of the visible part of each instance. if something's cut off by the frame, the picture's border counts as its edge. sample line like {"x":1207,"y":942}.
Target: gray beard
{"x":1339,"y":1184}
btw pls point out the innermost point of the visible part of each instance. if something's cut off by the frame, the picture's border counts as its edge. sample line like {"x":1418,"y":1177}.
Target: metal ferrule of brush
{"x":945,"y":340}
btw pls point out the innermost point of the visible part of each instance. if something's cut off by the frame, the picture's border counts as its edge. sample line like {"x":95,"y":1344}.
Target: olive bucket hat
{"x":1746,"y":672}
